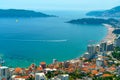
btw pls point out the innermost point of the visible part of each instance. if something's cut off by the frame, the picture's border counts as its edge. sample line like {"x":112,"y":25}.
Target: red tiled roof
{"x":106,"y":75}
{"x":102,"y":69}
{"x":94,"y":72}
{"x":92,"y":66}
{"x":4,"y":79}
{"x":18,"y":70}
{"x":24,"y":77}
{"x":39,"y":69}
{"x":43,"y":63}
{"x":85,"y":69}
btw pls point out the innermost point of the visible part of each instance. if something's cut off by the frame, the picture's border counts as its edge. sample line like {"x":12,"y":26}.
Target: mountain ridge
{"x":95,"y":21}
{"x":114,"y":12}
{"x":16,"y":13}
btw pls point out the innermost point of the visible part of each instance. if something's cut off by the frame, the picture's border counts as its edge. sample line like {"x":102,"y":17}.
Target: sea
{"x":24,"y":41}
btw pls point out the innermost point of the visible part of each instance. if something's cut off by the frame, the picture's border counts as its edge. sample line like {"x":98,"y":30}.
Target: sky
{"x":59,"y":4}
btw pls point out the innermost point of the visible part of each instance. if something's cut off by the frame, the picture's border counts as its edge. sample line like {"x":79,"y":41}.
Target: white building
{"x":4,"y":72}
{"x":87,"y":55}
{"x":11,"y":71}
{"x":19,"y":79}
{"x":99,"y":62}
{"x":40,"y":76}
{"x":91,"y":49}
{"x":55,"y":78}
{"x":64,"y":77}
{"x":55,"y":61}
{"x":14,"y":77}
{"x":97,"y":47}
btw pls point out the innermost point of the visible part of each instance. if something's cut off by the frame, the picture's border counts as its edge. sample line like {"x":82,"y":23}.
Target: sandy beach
{"x":110,"y":37}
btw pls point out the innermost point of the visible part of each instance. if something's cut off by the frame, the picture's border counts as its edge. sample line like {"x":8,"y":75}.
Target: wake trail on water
{"x":62,"y":40}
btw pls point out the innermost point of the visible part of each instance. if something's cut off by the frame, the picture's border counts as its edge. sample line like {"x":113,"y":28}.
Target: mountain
{"x":114,"y":12}
{"x":15,"y":13}
{"x":95,"y":21}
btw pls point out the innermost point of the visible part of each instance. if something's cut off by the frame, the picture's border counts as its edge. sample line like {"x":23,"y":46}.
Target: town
{"x":59,"y":39}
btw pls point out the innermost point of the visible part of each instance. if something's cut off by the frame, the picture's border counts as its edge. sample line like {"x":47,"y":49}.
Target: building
{"x":19,"y":79}
{"x":4,"y":73}
{"x":63,"y":77}
{"x":11,"y":71}
{"x":97,"y":48}
{"x":103,"y":46}
{"x":66,"y":64}
{"x":43,"y":65}
{"x":99,"y":62}
{"x":16,"y":77}
{"x":55,"y":61}
{"x":91,"y":49}
{"x":110,"y":47}
{"x":55,"y":78}
{"x":86,"y":55}
{"x":40,"y":76}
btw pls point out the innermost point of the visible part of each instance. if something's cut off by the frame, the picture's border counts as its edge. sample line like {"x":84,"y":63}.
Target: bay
{"x":32,"y":40}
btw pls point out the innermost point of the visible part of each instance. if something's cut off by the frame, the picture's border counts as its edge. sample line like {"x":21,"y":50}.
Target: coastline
{"x":110,"y":37}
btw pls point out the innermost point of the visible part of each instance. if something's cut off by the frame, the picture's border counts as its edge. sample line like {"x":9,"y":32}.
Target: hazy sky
{"x":59,"y":4}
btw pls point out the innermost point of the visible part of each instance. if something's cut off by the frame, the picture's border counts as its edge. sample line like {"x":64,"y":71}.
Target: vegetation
{"x":31,"y":78}
{"x":116,"y":53}
{"x":50,"y":74}
{"x":102,"y":78}
{"x":95,"y":21}
{"x":116,"y":31}
{"x":107,"y":78}
{"x":77,"y":75}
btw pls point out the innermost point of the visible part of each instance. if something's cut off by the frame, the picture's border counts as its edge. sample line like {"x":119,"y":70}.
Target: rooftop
{"x":43,"y":63}
{"x":3,"y":67}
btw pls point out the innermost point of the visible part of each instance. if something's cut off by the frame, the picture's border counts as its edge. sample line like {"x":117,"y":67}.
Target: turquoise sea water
{"x":42,"y":39}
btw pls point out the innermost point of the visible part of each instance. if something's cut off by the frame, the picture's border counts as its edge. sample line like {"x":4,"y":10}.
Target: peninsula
{"x":95,"y":21}
{"x":19,"y":13}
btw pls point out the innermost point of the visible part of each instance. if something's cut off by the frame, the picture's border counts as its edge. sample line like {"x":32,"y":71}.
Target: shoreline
{"x":109,"y":38}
